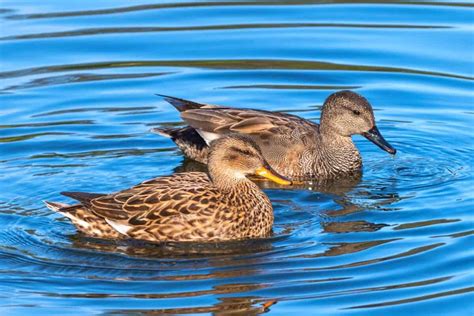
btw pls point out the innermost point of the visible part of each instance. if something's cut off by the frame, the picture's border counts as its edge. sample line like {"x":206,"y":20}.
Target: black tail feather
{"x":83,"y":197}
{"x":166,"y":132}
{"x":184,"y":135}
{"x":181,"y":104}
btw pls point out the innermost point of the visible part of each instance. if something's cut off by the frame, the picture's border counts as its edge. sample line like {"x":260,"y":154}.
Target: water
{"x":77,"y":102}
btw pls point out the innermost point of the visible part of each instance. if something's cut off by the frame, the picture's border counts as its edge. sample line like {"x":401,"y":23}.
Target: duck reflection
{"x":250,"y":305}
{"x":351,"y":226}
{"x":173,"y":250}
{"x":215,"y":256}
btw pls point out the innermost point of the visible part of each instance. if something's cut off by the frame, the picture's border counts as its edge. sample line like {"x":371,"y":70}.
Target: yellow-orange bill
{"x":267,"y":304}
{"x":272,"y":175}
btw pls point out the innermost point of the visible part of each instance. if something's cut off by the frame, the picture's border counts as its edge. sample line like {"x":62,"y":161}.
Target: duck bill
{"x":267,"y":172}
{"x":375,"y":137}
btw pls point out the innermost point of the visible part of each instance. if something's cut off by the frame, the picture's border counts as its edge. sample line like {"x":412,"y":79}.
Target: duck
{"x":220,"y":205}
{"x":296,"y":148}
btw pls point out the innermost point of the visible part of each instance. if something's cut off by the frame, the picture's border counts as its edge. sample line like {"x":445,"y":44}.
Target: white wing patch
{"x":208,"y":136}
{"x":121,"y":228}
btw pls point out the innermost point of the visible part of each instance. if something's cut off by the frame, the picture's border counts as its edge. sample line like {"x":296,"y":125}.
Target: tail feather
{"x":188,"y":140}
{"x":165,"y":132}
{"x":182,"y":136}
{"x":65,"y":209}
{"x":84,"y":220}
{"x":55,"y":206}
{"x":83,"y":197}
{"x":181,"y":104}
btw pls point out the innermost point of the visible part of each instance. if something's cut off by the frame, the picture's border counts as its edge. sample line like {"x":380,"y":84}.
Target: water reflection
{"x":252,"y":305}
{"x":125,"y":30}
{"x":351,"y":226}
{"x":173,"y":250}
{"x":79,"y":78}
{"x":145,"y":7}
{"x":392,"y":240}
{"x":242,"y":64}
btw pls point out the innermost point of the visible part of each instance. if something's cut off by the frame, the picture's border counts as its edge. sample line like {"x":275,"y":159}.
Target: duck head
{"x":347,"y":113}
{"x":235,"y":157}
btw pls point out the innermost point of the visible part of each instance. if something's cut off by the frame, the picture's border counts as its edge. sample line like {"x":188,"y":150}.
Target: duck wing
{"x":212,"y":121}
{"x":265,"y":127}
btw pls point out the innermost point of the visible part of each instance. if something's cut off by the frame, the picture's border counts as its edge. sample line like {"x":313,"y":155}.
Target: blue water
{"x":77,"y":103}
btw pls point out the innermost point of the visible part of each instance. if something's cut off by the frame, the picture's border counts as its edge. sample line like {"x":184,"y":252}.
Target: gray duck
{"x":295,"y":147}
{"x":191,"y":206}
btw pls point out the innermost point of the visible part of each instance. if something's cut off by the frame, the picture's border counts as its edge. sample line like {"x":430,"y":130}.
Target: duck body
{"x":190,"y":206}
{"x":295,"y":147}
{"x":181,"y":207}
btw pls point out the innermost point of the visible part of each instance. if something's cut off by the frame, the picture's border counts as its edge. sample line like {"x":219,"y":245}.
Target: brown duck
{"x":192,"y":206}
{"x":294,"y":147}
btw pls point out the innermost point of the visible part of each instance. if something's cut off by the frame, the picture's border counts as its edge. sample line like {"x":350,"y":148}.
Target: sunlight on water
{"x":77,"y":104}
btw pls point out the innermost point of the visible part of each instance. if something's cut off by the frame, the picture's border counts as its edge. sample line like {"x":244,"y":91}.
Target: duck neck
{"x":336,"y":155}
{"x":230,"y":182}
{"x":239,"y":192}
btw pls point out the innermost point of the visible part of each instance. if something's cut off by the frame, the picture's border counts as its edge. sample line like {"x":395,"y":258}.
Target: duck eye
{"x":356,"y":112}
{"x":242,"y":152}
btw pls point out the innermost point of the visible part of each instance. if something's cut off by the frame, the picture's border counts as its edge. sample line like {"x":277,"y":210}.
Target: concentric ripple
{"x":77,"y":104}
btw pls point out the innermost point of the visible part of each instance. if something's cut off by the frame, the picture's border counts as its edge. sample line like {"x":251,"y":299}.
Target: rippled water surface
{"x":77,"y":101}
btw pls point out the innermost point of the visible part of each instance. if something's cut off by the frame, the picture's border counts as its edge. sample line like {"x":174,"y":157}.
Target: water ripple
{"x":127,"y":30}
{"x":77,"y":105}
{"x":227,"y":64}
{"x":220,"y":4}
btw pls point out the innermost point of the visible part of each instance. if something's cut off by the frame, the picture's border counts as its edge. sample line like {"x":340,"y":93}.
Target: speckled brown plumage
{"x":295,"y":147}
{"x":188,"y":206}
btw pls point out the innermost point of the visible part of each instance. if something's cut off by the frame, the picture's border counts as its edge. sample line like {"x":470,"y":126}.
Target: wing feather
{"x":277,"y":130}
{"x":253,"y":125}
{"x":156,"y":200}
